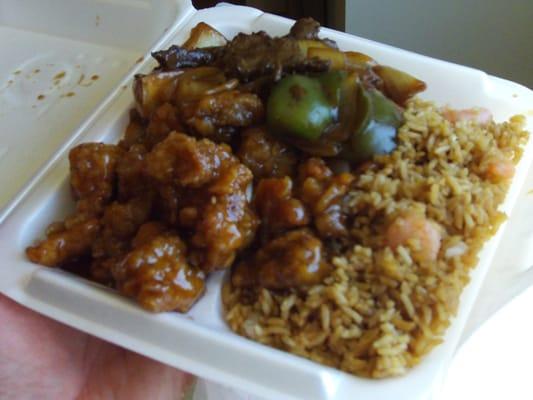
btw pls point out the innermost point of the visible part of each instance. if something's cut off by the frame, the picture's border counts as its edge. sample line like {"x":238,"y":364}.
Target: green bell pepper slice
{"x":333,"y":115}
{"x":302,"y":107}
{"x":375,"y":128}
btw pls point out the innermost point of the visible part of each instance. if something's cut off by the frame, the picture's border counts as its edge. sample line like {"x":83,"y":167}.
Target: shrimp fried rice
{"x":389,"y":299}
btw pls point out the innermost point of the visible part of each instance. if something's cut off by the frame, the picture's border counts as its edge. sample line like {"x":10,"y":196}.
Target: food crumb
{"x":69,"y":94}
{"x":17,"y":72}
{"x":124,"y":87}
{"x":60,"y":75}
{"x":36,"y":71}
{"x":139,"y":60}
{"x":81,"y":81}
{"x":515,"y":95}
{"x":41,"y":97}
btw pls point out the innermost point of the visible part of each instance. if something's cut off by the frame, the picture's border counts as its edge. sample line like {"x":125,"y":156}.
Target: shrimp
{"x":482,"y":116}
{"x":417,"y":232}
{"x":498,"y":170}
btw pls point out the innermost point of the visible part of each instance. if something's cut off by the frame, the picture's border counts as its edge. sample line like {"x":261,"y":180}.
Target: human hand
{"x":43,"y":359}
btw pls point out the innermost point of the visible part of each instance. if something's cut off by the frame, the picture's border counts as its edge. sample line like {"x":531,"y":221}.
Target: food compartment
{"x":57,"y":202}
{"x":53,"y":201}
{"x":471,"y":88}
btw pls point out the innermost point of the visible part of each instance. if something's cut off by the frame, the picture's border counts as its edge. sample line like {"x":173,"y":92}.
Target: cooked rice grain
{"x":380,"y":312}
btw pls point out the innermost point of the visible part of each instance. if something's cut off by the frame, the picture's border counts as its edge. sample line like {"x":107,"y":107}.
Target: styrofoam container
{"x":46,"y":39}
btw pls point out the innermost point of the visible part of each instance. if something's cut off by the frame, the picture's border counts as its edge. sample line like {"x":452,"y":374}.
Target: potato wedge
{"x":204,"y":35}
{"x":197,"y":82}
{"x":154,"y":89}
{"x":355,"y":59}
{"x":306,"y":44}
{"x":350,"y":60}
{"x":335,"y":57}
{"x":398,"y":85}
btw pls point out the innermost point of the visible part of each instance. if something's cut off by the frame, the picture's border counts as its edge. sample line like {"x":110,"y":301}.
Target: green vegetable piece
{"x":299,"y":107}
{"x":375,"y":128}
{"x":385,"y":111}
{"x":332,"y":84}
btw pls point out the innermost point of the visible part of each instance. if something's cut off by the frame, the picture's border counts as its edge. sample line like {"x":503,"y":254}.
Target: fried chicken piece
{"x":277,"y":207}
{"x":130,"y":172}
{"x":266,"y":156}
{"x":157,"y":275}
{"x":220,"y":217}
{"x":101,"y":268}
{"x":184,"y":161}
{"x":204,"y":187}
{"x":217,"y":113}
{"x":324,"y":193}
{"x":119,"y":225}
{"x":223,"y":228}
{"x":295,"y":259}
{"x":93,"y":175}
{"x":147,"y":232}
{"x":65,"y":242}
{"x":164,"y":120}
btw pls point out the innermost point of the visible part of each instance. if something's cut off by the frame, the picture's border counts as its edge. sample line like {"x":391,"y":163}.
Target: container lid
{"x":62,"y":59}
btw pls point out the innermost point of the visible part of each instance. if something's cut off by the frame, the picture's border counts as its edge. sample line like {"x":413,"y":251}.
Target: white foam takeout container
{"x":41,"y":39}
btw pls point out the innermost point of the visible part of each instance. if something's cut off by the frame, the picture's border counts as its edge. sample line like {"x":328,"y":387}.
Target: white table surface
{"x":496,"y":361}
